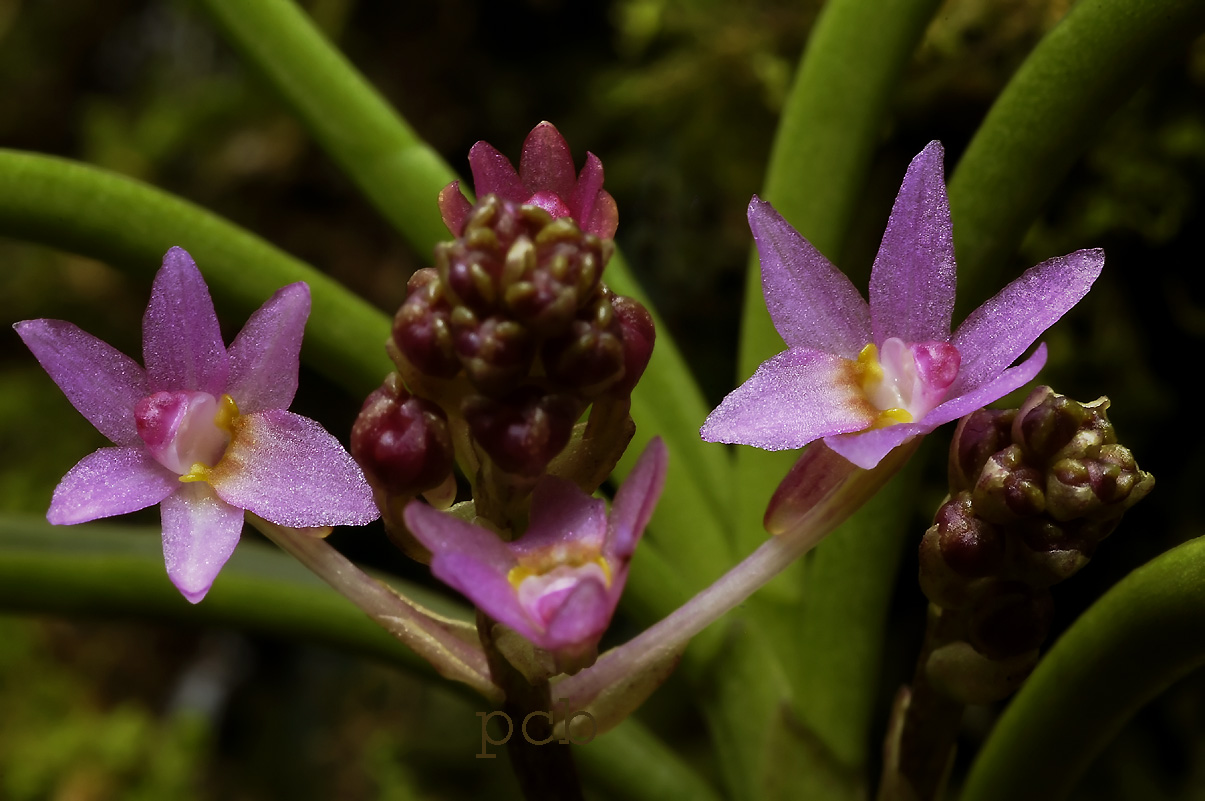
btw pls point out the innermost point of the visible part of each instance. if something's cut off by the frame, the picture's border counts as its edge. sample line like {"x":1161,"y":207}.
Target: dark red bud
{"x":589,"y":357}
{"x":402,"y":442}
{"x":523,"y":432}
{"x":496,"y":352}
{"x":978,"y":436}
{"x":972,"y":547}
{"x":422,"y":328}
{"x":639,"y":335}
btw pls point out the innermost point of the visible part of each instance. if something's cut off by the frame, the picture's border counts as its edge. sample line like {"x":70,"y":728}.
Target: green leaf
{"x":1079,"y":74}
{"x":1129,"y":646}
{"x":631,"y":762}
{"x":107,"y":570}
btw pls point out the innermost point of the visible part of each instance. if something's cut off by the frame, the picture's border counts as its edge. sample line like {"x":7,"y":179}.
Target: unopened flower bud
{"x":555,"y":277}
{"x":589,"y":357}
{"x":1007,"y":488}
{"x":517,"y":260}
{"x":978,"y":436}
{"x":1100,"y":485}
{"x":496,"y":352}
{"x":401,"y":442}
{"x":1010,"y":619}
{"x":957,"y":549}
{"x":638,"y":335}
{"x":1046,"y":423}
{"x":422,"y":329}
{"x":524,"y":431}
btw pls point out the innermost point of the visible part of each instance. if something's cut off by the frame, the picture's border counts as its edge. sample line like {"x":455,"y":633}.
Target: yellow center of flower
{"x":876,"y":386}
{"x":543,"y":567}
{"x":225,"y":419}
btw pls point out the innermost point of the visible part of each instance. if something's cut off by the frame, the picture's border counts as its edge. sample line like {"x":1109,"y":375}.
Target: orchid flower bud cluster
{"x":512,"y":331}
{"x":1033,"y":492}
{"x":500,"y":348}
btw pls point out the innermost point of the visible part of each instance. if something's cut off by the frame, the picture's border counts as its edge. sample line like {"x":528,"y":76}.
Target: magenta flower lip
{"x":865,"y":377}
{"x":559,"y":583}
{"x":202,"y":430}
{"x":546,"y":178}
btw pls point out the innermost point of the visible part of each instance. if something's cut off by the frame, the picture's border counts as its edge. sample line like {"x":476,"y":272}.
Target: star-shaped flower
{"x":867,"y":377}
{"x":203,"y":430}
{"x":546,"y":178}
{"x":559,"y":583}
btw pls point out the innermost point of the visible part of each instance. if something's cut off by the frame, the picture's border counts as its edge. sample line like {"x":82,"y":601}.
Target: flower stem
{"x":923,"y":728}
{"x":545,"y":771}
{"x":450,"y":646}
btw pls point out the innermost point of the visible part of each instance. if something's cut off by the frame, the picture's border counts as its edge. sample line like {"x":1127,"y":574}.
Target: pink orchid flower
{"x":202,"y":430}
{"x":867,"y":377}
{"x":559,"y":583}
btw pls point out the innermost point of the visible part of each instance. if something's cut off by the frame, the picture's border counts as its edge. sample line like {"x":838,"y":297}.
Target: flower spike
{"x":202,"y":430}
{"x":866,"y":377}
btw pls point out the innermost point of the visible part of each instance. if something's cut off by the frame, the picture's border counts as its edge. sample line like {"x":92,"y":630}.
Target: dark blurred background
{"x":679,"y":99}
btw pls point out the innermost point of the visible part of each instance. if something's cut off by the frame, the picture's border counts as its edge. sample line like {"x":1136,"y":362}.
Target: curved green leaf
{"x":1079,"y":74}
{"x":108,"y":570}
{"x":1128,"y":647}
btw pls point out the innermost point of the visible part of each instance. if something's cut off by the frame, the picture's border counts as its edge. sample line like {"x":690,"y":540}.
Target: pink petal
{"x":605,"y":219}
{"x":913,"y":278}
{"x":264,"y":357}
{"x":582,"y":618}
{"x":1011,"y":379}
{"x":489,"y":590}
{"x":585,"y":194}
{"x":563,"y":514}
{"x":812,"y":303}
{"x":1000,"y":330}
{"x":636,"y":498}
{"x":101,"y":382}
{"x":108,"y":482}
{"x":493,"y":174}
{"x":551,"y":203}
{"x":546,"y":163}
{"x":200,"y":531}
{"x":794,"y":398}
{"x":288,"y":470}
{"x":866,"y":449}
{"x":454,"y":207}
{"x":445,"y":533}
{"x":181,"y":341}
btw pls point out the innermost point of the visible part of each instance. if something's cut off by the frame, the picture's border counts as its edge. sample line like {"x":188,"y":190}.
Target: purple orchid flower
{"x":545,"y":178}
{"x":559,"y":583}
{"x":867,"y":377}
{"x":202,"y":430}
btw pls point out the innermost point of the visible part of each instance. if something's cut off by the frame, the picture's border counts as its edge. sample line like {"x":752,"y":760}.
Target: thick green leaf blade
{"x":111,"y":570}
{"x":1129,"y":646}
{"x":1079,"y":74}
